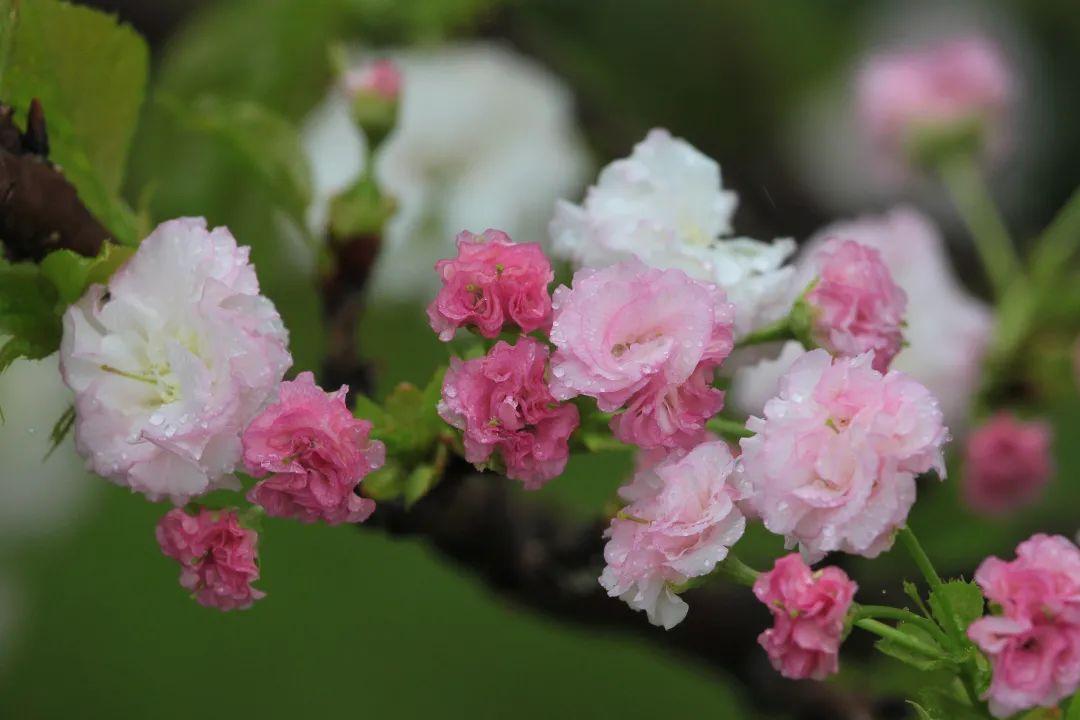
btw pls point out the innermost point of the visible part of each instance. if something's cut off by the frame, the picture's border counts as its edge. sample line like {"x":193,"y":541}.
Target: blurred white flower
{"x":486,"y":138}
{"x":38,"y":497}
{"x":665,"y":204}
{"x":947,"y":329}
{"x":753,"y":385}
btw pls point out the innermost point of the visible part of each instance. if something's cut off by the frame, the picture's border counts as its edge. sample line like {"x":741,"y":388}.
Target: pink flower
{"x":832,"y":465}
{"x":1007,"y":464}
{"x":680,"y":522}
{"x":491,"y":283}
{"x":381,"y":78}
{"x":958,"y":83}
{"x":647,"y":340}
{"x":218,"y":557}
{"x":808,"y":611}
{"x":317,"y":453}
{"x":171,"y":361}
{"x":503,"y":404}
{"x":855,"y":304}
{"x":1042,"y":582}
{"x":1034,"y":646}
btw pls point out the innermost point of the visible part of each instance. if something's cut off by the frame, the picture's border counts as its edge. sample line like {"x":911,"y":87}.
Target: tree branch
{"x":40,"y":210}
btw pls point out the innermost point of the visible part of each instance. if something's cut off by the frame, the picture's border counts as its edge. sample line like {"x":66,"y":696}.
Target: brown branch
{"x":40,"y":210}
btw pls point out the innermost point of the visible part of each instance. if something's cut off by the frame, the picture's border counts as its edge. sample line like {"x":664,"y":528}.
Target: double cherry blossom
{"x":177,"y":367}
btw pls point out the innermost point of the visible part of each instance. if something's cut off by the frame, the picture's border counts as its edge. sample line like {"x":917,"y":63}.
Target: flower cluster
{"x":1006,"y":464}
{"x":645,"y":341}
{"x":1034,"y":644}
{"x":855,"y":305}
{"x":833,"y":463}
{"x":502,"y":403}
{"x":680,"y":521}
{"x":316,"y":453}
{"x":665,"y":206}
{"x":808,"y":611}
{"x":171,"y":361}
{"x":493,"y":282}
{"x":218,"y":556}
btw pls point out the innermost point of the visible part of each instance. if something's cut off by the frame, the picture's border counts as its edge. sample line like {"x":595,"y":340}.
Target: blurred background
{"x":509,"y":105}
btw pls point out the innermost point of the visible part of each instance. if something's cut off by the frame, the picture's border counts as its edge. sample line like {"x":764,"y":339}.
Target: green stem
{"x":922,"y":560}
{"x":915,"y":550}
{"x":883,"y":612}
{"x":737,"y":571}
{"x":729,"y":429}
{"x":890,"y":633}
{"x":972,"y":198}
{"x":779,"y":330}
{"x":1059,"y":241}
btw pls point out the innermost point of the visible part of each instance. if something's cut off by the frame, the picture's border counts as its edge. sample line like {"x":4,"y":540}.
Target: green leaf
{"x":72,"y":273}
{"x":366,"y":408}
{"x":1073,"y":712}
{"x":940,"y":703}
{"x":420,"y":480}
{"x":921,"y":712}
{"x":912,"y":591}
{"x":267,"y":144}
{"x":386,"y":483}
{"x":909,"y":656}
{"x":60,"y":430}
{"x":965,"y":599}
{"x":27,"y":313}
{"x":90,"y":74}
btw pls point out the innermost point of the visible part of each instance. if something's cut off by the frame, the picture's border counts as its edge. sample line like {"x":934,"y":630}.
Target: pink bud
{"x":1007,"y":464}
{"x":493,"y":282}
{"x":315,"y":452}
{"x":381,"y":78}
{"x":808,"y":611}
{"x":944,"y":86}
{"x":502,"y":404}
{"x":218,"y":557}
{"x":857,"y":305}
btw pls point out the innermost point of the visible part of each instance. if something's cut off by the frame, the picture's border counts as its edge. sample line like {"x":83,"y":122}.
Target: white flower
{"x":486,"y":138}
{"x":172,"y":361}
{"x":753,"y":385}
{"x":947,"y":329}
{"x":666,"y":205}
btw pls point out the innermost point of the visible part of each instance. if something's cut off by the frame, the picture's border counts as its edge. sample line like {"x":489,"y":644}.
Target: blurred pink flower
{"x":171,"y":361}
{"x":832,"y":464}
{"x":1034,"y":645}
{"x":218,"y":557}
{"x":944,"y":87}
{"x":493,"y":282}
{"x":856,"y":305}
{"x":680,"y":522}
{"x":808,"y":610}
{"x":381,"y":78}
{"x":503,"y":404}
{"x":1007,"y":464}
{"x":647,"y":339}
{"x":316,"y":452}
